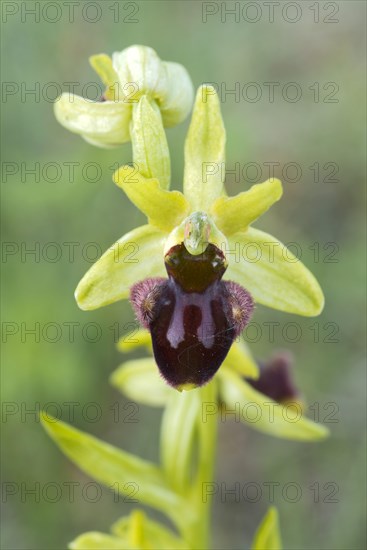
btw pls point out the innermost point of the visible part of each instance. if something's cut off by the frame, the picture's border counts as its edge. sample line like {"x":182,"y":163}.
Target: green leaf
{"x":164,"y":209}
{"x":149,"y":142}
{"x":99,"y":541}
{"x":233,"y":214}
{"x":140,"y":381}
{"x":267,"y":536}
{"x":105,"y":124}
{"x":118,"y":470}
{"x":205,"y":151}
{"x":263,"y":414}
{"x":102,"y":64}
{"x":240,"y":360}
{"x":134,"y":257}
{"x":272,"y":274}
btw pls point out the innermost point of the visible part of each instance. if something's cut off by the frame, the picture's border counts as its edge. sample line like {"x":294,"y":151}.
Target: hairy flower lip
{"x":191,"y":332}
{"x":193,"y":317}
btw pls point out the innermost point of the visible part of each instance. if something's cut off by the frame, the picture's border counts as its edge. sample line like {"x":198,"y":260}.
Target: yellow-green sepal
{"x":105,"y":124}
{"x":234,"y":214}
{"x":267,"y":536}
{"x":205,"y":151}
{"x":263,"y":414}
{"x":239,"y":359}
{"x":132,"y":258}
{"x":139,"y":380}
{"x":164,"y":209}
{"x":272,"y":274}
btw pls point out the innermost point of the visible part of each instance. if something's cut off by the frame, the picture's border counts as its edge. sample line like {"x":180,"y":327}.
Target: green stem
{"x":189,"y":418}
{"x":201,"y":499}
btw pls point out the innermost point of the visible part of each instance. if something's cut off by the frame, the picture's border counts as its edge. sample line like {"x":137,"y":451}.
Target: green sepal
{"x":205,"y":151}
{"x":272,"y":274}
{"x":240,"y":360}
{"x":134,"y":257}
{"x":265,"y":415}
{"x":139,"y":380}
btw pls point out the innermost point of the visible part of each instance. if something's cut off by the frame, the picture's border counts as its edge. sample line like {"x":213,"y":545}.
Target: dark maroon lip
{"x":191,"y":333}
{"x":193,"y":316}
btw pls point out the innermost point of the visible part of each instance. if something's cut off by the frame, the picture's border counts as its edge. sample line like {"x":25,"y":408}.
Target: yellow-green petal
{"x":149,"y":142}
{"x":102,"y":64}
{"x":240,"y":359}
{"x":267,"y":536}
{"x":134,"y":257}
{"x":272,"y":274}
{"x":233,"y":214}
{"x":205,"y":151}
{"x":99,"y":541}
{"x":263,"y":414}
{"x":164,"y":209}
{"x":106,"y":123}
{"x":139,"y":380}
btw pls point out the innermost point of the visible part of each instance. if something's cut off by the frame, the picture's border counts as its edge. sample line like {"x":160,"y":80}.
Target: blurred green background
{"x":37,"y":372}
